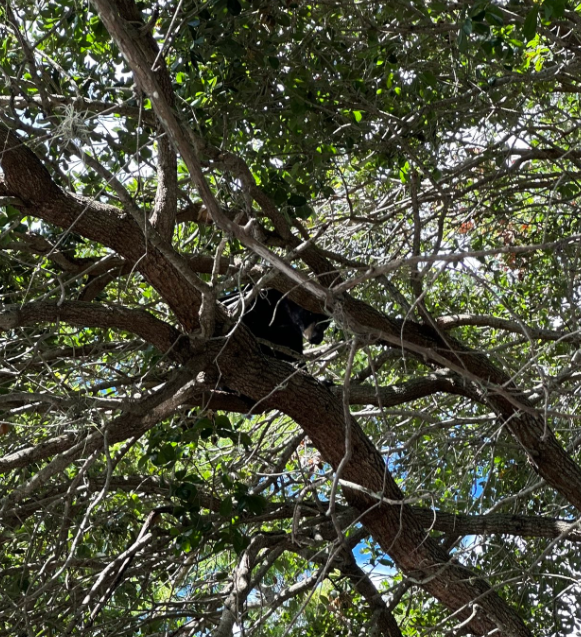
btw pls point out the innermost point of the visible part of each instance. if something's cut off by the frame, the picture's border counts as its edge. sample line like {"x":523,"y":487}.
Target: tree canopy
{"x":408,"y":169}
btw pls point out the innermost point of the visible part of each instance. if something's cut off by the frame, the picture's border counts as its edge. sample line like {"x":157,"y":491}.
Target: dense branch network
{"x":155,"y":444}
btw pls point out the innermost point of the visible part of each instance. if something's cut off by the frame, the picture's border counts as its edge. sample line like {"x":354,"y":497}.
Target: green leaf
{"x":226,"y":507}
{"x":245,"y":439}
{"x":494,"y":16}
{"x":187,"y":492}
{"x":554,"y":8}
{"x":304,"y":212}
{"x":462,"y":41}
{"x":234,"y":7}
{"x":297,"y":200}
{"x":253,"y":503}
{"x":284,"y":20}
{"x":223,"y":422}
{"x":239,"y":541}
{"x":530,"y":24}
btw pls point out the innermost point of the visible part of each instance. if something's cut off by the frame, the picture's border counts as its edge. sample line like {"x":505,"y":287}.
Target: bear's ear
{"x":271,"y":316}
{"x":311,"y":334}
{"x":315,"y":331}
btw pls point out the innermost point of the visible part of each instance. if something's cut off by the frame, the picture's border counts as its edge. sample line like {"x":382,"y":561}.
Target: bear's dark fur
{"x":273,"y":317}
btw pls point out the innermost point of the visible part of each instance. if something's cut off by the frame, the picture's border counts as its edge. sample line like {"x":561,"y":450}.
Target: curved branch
{"x":151,"y":329}
{"x":26,"y":177}
{"x":489,"y":384}
{"x":484,"y":320}
{"x":501,"y":523}
{"x":136,"y":418}
{"x":405,"y":392}
{"x":394,"y":526}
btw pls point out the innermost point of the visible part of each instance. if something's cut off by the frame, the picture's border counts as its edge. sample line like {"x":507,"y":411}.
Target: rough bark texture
{"x":270,"y":383}
{"x":307,"y":401}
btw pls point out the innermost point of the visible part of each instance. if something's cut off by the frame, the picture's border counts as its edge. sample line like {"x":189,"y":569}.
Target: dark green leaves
{"x":297,"y":200}
{"x":554,"y":8}
{"x":234,"y":7}
{"x":530,"y":24}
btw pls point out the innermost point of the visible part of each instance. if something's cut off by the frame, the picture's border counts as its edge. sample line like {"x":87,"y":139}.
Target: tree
{"x":410,"y":170}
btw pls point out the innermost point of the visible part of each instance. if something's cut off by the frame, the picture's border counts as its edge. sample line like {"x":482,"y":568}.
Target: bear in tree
{"x":273,"y":317}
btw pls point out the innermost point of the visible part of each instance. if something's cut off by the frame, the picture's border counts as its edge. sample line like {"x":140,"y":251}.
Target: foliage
{"x":410,"y":169}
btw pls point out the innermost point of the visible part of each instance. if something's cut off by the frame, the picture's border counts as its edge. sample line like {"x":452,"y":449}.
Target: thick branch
{"x":26,"y":177}
{"x":395,"y":527}
{"x":484,"y":320}
{"x":490,"y":384}
{"x":151,"y":329}
{"x":501,"y":523}
{"x":126,"y":39}
{"x":136,"y":418}
{"x":402,"y":393}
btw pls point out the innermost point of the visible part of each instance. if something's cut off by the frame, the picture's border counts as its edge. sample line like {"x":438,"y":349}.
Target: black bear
{"x":274,"y":317}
